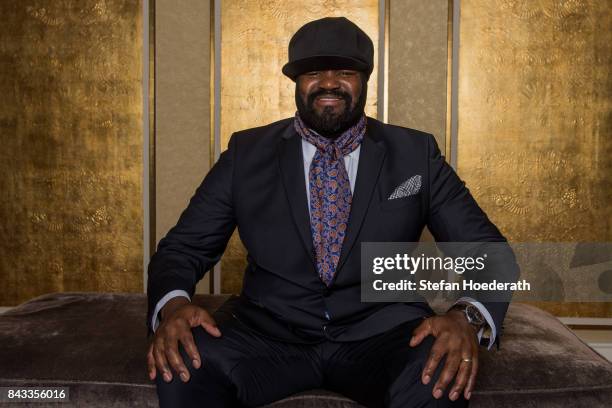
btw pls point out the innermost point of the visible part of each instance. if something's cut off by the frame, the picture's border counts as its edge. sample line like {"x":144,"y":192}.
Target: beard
{"x":327,"y":123}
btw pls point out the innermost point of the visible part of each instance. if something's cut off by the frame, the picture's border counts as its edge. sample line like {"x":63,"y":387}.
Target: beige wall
{"x":182,"y":107}
{"x":418,"y":65}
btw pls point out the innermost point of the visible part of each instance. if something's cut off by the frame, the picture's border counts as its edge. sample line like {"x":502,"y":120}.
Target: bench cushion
{"x":95,"y":343}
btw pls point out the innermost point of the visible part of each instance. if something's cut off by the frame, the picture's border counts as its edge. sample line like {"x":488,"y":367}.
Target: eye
{"x":347,"y":73}
{"x":312,"y":73}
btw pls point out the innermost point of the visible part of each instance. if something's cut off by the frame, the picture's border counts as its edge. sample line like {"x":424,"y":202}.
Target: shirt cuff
{"x":485,"y":313}
{"x":162,"y":302}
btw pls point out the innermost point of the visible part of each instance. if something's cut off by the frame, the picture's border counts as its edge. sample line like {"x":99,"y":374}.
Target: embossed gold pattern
{"x":535,"y":120}
{"x":71,"y":158}
{"x":254,"y":92}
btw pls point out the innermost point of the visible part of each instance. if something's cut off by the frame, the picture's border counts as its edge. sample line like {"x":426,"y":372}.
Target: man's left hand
{"x":457,"y":340}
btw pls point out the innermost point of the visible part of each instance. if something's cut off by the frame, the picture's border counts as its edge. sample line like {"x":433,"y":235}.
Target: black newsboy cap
{"x":329,"y":43}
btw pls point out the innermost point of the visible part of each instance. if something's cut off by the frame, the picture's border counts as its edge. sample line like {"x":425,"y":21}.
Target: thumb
{"x":423,"y":330}
{"x":209,"y":324}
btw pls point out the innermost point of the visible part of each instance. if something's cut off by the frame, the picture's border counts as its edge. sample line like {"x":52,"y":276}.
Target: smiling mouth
{"x":328,"y":99}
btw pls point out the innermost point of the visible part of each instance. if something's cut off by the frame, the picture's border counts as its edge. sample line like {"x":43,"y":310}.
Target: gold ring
{"x":466,"y":360}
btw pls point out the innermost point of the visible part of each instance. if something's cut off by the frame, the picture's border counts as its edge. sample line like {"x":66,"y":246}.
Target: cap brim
{"x":318,"y":62}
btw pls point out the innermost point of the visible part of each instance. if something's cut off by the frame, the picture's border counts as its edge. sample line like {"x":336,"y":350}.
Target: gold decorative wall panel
{"x":534,"y":112}
{"x":254,"y":92}
{"x":71,"y":158}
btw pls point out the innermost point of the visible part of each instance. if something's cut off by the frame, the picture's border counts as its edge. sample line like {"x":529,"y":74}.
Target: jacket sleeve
{"x":454,"y":216}
{"x":195,"y":244}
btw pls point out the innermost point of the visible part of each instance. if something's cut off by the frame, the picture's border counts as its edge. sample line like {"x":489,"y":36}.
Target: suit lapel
{"x":371,"y":158}
{"x":291,"y":162}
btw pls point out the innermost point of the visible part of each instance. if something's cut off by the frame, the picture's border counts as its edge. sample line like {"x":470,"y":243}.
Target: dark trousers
{"x":243,"y":368}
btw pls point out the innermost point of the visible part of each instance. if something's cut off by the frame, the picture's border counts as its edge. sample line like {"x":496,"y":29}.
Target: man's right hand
{"x":178,"y":317}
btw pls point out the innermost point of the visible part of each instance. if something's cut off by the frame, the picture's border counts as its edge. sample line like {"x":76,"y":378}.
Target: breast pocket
{"x":412,"y":200}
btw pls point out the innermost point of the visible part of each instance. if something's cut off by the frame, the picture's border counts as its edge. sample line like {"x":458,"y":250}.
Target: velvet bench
{"x":95,"y":344}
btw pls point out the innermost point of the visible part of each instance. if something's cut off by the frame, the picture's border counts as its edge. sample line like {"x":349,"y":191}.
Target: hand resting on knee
{"x":178,"y":317}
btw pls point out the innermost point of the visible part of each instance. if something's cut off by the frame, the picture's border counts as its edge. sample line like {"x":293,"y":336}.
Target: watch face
{"x":474,"y":316}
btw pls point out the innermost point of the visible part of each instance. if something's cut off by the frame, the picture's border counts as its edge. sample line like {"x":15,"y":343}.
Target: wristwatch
{"x":472,"y":314}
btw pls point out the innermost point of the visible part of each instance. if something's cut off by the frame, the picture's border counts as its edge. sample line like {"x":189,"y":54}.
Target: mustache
{"x":337,"y":94}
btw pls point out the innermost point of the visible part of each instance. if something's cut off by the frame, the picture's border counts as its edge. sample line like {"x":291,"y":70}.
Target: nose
{"x":329,"y":80}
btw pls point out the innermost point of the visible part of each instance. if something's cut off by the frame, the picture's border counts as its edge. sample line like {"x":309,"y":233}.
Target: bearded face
{"x":330,"y":102}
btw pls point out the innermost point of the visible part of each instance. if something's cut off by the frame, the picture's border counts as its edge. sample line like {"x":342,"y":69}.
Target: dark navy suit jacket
{"x":258,"y":186}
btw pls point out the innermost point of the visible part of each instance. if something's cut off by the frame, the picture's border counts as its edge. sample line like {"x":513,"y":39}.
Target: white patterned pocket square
{"x":409,"y":187}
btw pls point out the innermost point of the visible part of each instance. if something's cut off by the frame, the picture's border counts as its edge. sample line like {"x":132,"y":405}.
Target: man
{"x":304,"y":193}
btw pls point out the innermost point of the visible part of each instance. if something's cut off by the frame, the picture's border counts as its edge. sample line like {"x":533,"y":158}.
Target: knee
{"x":209,"y":365}
{"x":217,"y":354}
{"x":206,"y":385}
{"x":174,"y":393}
{"x":408,"y":388}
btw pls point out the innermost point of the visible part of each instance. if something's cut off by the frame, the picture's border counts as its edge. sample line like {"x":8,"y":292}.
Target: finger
{"x":175,"y":359}
{"x":160,"y":360}
{"x":151,"y":363}
{"x":209,"y":324}
{"x":437,"y":352}
{"x":461,"y":379}
{"x":451,"y":365}
{"x":472,"y":379}
{"x":191,"y":350}
{"x":423,"y":330}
